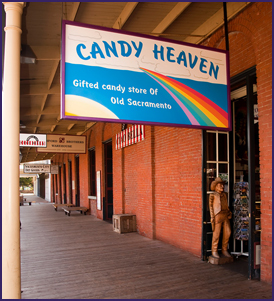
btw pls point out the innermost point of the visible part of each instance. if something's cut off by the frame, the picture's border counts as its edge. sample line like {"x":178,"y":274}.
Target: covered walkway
{"x":81,"y":257}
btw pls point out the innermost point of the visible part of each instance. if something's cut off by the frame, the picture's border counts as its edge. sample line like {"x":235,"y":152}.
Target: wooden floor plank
{"x":81,"y":257}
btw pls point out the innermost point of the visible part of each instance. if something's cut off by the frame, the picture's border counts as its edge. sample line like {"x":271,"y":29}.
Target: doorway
{"x":108,"y":199}
{"x":236,"y":160}
{"x":247,"y":195}
{"x":65,"y":183}
{"x":77,"y":180}
{"x":53,"y":198}
{"x":69,"y":182}
{"x":60,"y":184}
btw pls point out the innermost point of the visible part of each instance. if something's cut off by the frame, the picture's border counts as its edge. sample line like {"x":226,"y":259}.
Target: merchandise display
{"x":241,"y":212}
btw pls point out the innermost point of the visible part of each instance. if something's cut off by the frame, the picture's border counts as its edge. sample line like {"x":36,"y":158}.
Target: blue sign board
{"x":116,"y":76}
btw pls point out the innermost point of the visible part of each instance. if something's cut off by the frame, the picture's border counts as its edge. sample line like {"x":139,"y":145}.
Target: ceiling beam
{"x":215,"y":22}
{"x":73,"y":12}
{"x":90,"y":124}
{"x":53,"y":72}
{"x":71,"y":126}
{"x":124,"y":15}
{"x":53,"y":128}
{"x":38,"y":118}
{"x":170,"y":17}
{"x":44,"y":102}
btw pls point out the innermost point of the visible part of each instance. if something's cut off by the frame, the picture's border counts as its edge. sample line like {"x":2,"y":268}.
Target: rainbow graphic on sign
{"x":199,"y":109}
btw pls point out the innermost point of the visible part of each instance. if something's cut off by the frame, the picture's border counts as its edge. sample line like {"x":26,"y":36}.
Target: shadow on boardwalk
{"x":81,"y":257}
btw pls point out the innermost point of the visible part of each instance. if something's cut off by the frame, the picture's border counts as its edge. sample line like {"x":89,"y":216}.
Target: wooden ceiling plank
{"x":48,"y":110}
{"x":216,"y":21}
{"x":47,"y":53}
{"x":125,"y":14}
{"x":170,"y":17}
{"x":50,"y":122}
{"x":39,"y":90}
{"x":42,"y":124}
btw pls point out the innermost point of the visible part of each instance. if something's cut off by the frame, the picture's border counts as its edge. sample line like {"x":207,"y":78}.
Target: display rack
{"x":241,"y":217}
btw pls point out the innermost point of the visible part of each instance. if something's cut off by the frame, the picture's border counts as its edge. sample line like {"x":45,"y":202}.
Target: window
{"x":92,"y":172}
{"x":217,"y":154}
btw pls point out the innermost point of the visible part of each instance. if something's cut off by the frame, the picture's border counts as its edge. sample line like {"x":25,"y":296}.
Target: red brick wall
{"x":250,"y":44}
{"x":263,"y":48}
{"x":162,"y":185}
{"x":133,"y":182}
{"x":84,"y":175}
{"x":117,"y":181}
{"x":178,"y":165}
{"x":138,"y":183}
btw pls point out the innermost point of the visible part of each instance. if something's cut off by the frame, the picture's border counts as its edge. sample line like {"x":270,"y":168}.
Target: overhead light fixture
{"x":27,"y":56}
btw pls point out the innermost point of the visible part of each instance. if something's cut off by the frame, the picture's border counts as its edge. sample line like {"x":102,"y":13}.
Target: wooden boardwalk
{"x":81,"y":257}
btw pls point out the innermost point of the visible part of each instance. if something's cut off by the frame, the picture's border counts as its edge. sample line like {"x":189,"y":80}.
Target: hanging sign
{"x":54,"y":169}
{"x":36,"y":168}
{"x":33,"y":140}
{"x":64,"y":144}
{"x":134,"y":134}
{"x":116,"y":76}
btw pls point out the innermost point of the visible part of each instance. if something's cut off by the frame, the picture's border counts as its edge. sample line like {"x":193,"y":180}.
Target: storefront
{"x":164,"y":178}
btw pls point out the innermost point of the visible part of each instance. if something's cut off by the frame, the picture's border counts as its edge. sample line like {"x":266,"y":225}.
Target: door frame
{"x":105,"y":197}
{"x":218,"y":162}
{"x":247,"y":78}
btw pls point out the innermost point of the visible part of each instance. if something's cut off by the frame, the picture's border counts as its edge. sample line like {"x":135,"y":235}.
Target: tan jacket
{"x":218,"y":203}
